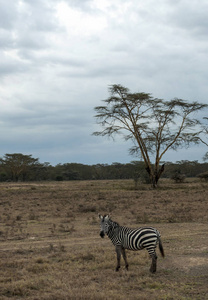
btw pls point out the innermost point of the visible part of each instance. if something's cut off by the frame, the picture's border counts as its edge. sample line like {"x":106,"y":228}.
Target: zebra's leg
{"x":153,"y":267}
{"x":118,"y":252}
{"x":124,"y":257}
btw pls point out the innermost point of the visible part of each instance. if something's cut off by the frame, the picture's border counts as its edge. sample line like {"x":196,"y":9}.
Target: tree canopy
{"x":18,"y":165}
{"x":154,"y":125}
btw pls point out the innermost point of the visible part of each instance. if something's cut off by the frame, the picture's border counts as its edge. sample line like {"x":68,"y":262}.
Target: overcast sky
{"x":59,"y":57}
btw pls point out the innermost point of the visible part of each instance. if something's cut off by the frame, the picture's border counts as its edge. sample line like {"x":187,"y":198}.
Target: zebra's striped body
{"x":135,"y":239}
{"x":132,"y":239}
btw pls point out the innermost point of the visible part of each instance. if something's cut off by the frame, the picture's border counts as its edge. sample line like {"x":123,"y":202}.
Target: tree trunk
{"x":155,"y":176}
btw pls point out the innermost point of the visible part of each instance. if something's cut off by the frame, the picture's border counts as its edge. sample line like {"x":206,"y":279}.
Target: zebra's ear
{"x":100,"y":216}
{"x":107,"y":217}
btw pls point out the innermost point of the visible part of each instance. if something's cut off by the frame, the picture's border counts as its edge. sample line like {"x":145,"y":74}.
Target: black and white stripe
{"x":132,"y":239}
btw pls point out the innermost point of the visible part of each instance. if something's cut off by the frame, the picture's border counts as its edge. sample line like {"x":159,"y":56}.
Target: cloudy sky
{"x":59,"y":57}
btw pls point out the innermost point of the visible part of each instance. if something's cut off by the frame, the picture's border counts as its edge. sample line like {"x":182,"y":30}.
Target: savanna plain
{"x":50,"y":246}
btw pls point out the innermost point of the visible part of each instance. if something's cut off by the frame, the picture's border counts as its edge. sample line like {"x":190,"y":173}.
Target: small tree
{"x":154,"y":125}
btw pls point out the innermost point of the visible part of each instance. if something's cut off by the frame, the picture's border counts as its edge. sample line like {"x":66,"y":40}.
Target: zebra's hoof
{"x":117,"y":269}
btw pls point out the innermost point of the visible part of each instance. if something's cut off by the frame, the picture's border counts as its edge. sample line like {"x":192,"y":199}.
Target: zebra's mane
{"x":111,"y":221}
{"x":115,"y":223}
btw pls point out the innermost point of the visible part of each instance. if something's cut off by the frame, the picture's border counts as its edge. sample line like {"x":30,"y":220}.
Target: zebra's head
{"x":105,"y":223}
{"x":107,"y":226}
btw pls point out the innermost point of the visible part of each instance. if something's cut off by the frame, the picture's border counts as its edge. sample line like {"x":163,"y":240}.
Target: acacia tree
{"x":154,"y":125}
{"x":18,"y":164}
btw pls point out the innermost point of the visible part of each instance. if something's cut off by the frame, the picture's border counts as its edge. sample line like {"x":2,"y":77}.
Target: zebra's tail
{"x":161,"y":247}
{"x":160,"y":244}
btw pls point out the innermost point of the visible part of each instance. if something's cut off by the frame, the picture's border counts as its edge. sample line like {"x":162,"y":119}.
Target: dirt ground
{"x":50,"y":246}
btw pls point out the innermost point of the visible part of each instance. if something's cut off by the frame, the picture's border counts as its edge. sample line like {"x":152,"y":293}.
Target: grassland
{"x":50,"y":246}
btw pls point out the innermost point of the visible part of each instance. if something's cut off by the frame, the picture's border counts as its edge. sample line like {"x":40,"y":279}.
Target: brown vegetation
{"x":50,"y":246}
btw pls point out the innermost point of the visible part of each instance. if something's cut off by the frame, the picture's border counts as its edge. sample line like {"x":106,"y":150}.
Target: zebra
{"x":132,"y":239}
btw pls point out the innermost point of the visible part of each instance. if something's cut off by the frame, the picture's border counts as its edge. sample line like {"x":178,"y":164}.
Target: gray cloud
{"x":8,"y":13}
{"x":191,"y":17}
{"x":59,"y":57}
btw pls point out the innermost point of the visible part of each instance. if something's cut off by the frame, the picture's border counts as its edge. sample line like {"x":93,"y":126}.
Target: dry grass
{"x":50,"y":246}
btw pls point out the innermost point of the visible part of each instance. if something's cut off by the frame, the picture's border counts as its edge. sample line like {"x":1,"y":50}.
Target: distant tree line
{"x":18,"y":167}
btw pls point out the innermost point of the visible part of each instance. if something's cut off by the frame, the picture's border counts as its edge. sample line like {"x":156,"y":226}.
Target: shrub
{"x":142,"y":177}
{"x":59,"y":178}
{"x":178,"y":177}
{"x":203,"y":176}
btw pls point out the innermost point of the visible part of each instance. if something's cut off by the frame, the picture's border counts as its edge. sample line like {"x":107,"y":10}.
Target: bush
{"x":178,"y":177}
{"x":142,"y":177}
{"x":59,"y":178}
{"x":203,"y":176}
